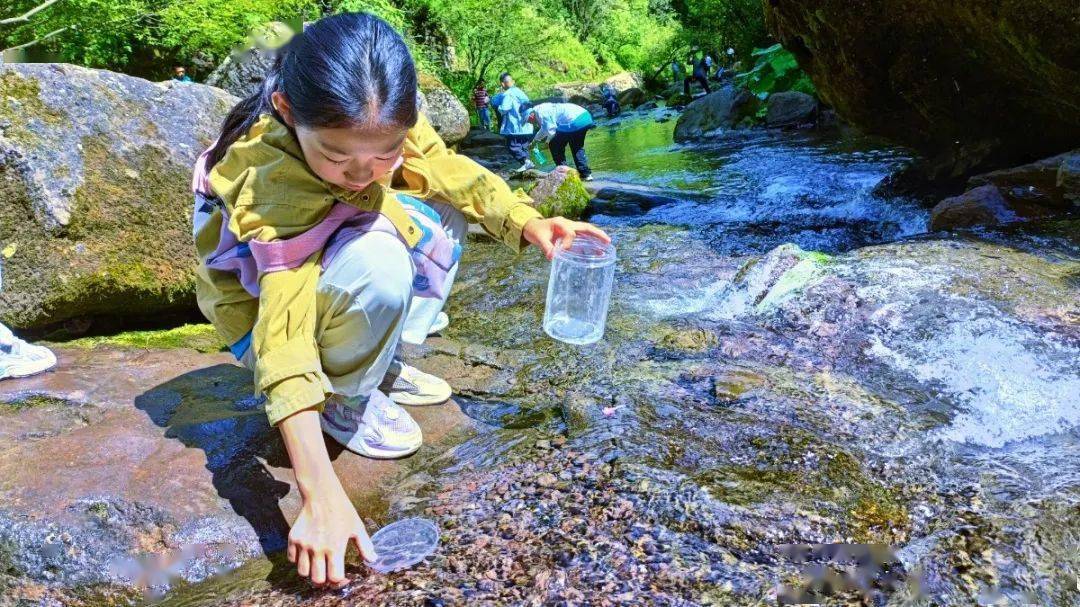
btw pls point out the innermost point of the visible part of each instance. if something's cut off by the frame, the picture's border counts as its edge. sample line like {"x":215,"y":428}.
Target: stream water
{"x":800,"y":396}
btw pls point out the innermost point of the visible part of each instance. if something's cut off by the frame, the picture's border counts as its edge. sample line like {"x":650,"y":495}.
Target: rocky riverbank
{"x":801,"y":395}
{"x":797,"y":402}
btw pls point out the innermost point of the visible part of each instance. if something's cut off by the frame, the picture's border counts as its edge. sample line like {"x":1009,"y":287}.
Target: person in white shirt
{"x":560,"y":124}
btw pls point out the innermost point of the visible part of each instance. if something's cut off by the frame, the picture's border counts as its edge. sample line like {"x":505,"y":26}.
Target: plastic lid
{"x":587,"y":250}
{"x":404,"y":543}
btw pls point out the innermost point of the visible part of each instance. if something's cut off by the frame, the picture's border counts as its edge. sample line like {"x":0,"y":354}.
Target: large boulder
{"x":628,"y":87}
{"x":720,"y":109}
{"x":974,"y":85}
{"x":95,"y":203}
{"x":242,"y":74}
{"x":447,"y":114}
{"x":790,"y":108}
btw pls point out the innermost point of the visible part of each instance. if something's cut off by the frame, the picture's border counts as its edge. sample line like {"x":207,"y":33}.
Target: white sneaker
{"x":441,"y":322}
{"x":378,"y":429}
{"x":525,"y":167}
{"x":20,"y":359}
{"x":407,"y":385}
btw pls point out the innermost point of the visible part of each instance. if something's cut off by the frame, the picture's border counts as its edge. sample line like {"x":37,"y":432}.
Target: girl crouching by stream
{"x":317,"y":255}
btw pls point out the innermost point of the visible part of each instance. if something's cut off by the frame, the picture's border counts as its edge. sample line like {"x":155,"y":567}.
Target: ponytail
{"x":247,"y":112}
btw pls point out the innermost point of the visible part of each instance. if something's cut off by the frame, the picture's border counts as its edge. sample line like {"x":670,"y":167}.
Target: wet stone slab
{"x":147,"y":467}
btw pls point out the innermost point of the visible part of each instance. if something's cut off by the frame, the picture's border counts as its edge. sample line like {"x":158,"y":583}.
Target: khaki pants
{"x":361,"y":303}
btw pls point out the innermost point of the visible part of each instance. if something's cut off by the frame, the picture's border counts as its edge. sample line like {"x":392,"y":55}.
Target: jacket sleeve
{"x":288,"y":369}
{"x":431,"y":171}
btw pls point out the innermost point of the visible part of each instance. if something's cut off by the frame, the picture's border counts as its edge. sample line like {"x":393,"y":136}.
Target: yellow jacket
{"x":270,"y":193}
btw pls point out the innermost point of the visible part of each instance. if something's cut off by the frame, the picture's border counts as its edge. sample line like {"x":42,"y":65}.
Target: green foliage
{"x":215,"y":28}
{"x":385,"y":9}
{"x":775,"y":70}
{"x":717,"y":25}
{"x":627,"y":34}
{"x":146,"y":37}
{"x":492,"y":36}
{"x":543,"y":42}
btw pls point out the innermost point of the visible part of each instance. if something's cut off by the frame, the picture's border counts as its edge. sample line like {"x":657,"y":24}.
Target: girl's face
{"x":348,"y":157}
{"x":352,"y":157}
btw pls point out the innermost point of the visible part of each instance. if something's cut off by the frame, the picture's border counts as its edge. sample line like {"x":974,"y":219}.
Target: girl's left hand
{"x":545,"y":233}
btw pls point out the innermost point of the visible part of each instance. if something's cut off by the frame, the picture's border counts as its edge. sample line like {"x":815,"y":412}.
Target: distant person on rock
{"x":610,"y":101}
{"x":481,"y":100}
{"x":510,"y":103}
{"x":699,"y":74}
{"x":562,"y":124}
{"x":180,"y":74}
{"x":676,"y":71}
{"x":317,"y":256}
{"x":21,"y":359}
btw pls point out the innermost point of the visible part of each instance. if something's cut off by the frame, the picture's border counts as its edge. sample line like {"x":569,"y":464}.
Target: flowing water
{"x":799,"y":397}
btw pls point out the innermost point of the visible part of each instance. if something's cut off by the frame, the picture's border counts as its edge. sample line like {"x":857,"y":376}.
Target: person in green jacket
{"x":325,"y":210}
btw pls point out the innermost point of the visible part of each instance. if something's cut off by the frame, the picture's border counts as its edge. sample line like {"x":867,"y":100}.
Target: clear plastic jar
{"x":579,"y":291}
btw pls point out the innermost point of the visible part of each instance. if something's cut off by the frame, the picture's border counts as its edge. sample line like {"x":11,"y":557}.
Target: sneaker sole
{"x":421,"y":400}
{"x":372,"y":452}
{"x":24,"y":370}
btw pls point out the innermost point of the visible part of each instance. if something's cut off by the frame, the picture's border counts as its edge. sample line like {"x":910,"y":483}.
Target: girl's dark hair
{"x":346,"y":70}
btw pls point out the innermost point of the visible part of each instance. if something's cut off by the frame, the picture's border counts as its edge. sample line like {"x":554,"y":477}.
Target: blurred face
{"x":180,"y":71}
{"x":348,"y":157}
{"x":508,"y":82}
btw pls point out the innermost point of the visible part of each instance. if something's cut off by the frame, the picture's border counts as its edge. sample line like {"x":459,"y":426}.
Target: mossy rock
{"x":95,"y":203}
{"x":199,"y":337}
{"x":561,"y":194}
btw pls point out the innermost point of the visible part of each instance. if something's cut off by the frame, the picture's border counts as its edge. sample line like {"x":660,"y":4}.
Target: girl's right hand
{"x":321,"y":534}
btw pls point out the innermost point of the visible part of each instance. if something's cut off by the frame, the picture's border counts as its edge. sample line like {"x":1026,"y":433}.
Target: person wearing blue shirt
{"x":180,"y":74}
{"x":511,"y":104}
{"x":560,"y":124}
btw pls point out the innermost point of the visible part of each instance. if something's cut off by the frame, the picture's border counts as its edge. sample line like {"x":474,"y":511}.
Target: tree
{"x":146,"y":37}
{"x":721,"y":24}
{"x":495,"y":32}
{"x":25,"y":18}
{"x":586,"y":17}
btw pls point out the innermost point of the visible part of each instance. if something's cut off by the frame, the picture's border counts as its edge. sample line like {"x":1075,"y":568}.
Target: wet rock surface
{"x":983,"y":205}
{"x":713,"y":455}
{"x":131,"y":470}
{"x":560,"y":193}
